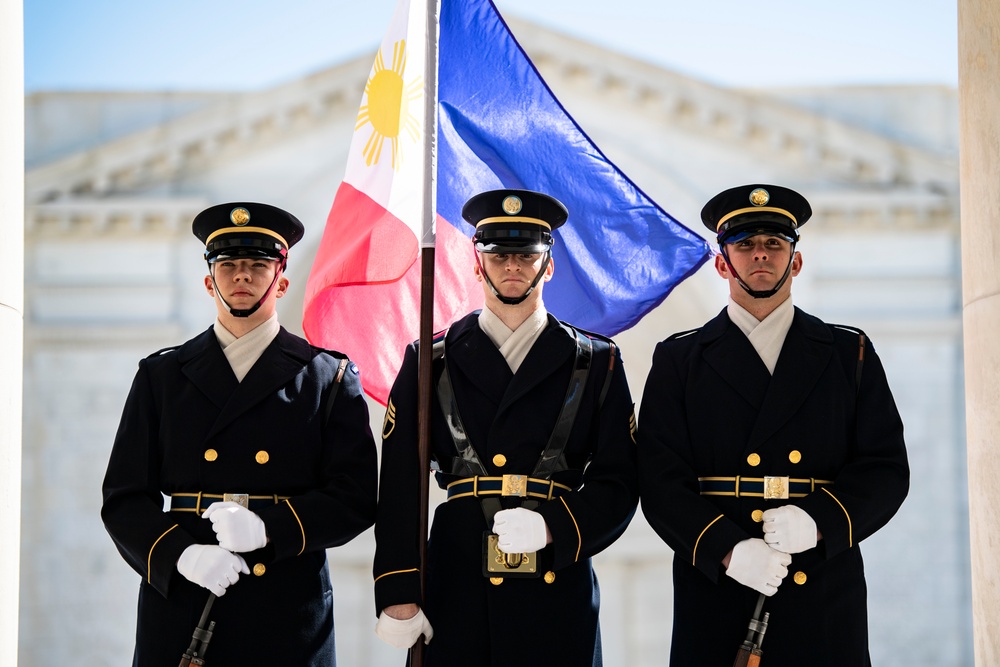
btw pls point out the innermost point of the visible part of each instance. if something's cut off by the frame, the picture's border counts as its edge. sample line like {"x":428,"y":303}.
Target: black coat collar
{"x":205,"y":365}
{"x":482,"y":366}
{"x":804,"y":355}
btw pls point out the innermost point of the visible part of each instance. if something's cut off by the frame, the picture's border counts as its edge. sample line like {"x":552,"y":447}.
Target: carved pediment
{"x":748,"y":124}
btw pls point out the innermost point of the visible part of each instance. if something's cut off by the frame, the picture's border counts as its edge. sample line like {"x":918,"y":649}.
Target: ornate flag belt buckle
{"x":514,"y":485}
{"x":496,"y":563}
{"x":241,"y":499}
{"x":776,"y":488}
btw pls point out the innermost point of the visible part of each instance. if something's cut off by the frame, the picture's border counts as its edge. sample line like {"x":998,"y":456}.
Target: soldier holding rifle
{"x":769,"y":445}
{"x":262,"y":447}
{"x":531,"y":424}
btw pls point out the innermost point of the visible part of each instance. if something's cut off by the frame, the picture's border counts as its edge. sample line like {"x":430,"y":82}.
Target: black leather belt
{"x":199,"y":502}
{"x":509,"y":485}
{"x":768,"y":488}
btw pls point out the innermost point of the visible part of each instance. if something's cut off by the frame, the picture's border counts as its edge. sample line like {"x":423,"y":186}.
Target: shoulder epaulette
{"x":163,"y":351}
{"x":590,"y":334}
{"x":846,"y":327}
{"x":861,"y":352}
{"x":682,"y":334}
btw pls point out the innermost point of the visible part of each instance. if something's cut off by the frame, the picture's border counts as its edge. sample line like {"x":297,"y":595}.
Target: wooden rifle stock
{"x":749,"y":653}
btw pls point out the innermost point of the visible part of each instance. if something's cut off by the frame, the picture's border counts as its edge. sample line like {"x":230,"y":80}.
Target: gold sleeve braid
{"x":149,"y":557}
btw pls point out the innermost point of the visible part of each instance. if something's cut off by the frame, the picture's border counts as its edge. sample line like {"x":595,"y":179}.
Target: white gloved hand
{"x":789,"y":529}
{"x":758,"y":566}
{"x":238,"y":529}
{"x":403,"y":633}
{"x":211,"y":567}
{"x":520,"y":531}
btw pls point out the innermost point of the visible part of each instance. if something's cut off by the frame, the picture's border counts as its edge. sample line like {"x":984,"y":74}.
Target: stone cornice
{"x":111,"y":217}
{"x":896,"y":209}
{"x":244,"y":122}
{"x":775,"y":129}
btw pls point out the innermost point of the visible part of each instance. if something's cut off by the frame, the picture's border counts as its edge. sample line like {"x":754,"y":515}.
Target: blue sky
{"x":252,"y":44}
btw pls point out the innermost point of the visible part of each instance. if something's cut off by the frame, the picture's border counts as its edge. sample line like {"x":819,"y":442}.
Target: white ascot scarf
{"x":513,"y":345}
{"x":243,"y":352}
{"x":766,"y":336}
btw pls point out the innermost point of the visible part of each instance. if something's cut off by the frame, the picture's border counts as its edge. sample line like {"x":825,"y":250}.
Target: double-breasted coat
{"x":711,"y":409}
{"x":550,"y":620}
{"x":189,"y":426}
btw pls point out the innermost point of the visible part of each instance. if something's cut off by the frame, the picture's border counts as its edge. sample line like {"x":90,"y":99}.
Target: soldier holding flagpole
{"x":532,"y":439}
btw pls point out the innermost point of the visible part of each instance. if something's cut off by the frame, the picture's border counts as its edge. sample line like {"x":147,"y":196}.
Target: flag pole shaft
{"x":424,"y":377}
{"x":424,"y":359}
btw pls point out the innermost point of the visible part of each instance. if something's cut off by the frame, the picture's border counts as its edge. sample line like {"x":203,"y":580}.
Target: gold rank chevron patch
{"x":632,"y":424}
{"x":389,"y":423}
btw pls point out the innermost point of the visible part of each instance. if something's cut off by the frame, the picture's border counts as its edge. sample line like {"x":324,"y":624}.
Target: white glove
{"x":238,"y":529}
{"x":758,"y":566}
{"x":789,"y":529}
{"x":211,"y":567}
{"x":403,"y":633}
{"x":520,"y":531}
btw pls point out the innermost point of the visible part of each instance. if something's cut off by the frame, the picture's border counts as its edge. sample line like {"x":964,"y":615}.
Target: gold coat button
{"x":499,"y":460}
{"x":754,"y":460}
{"x":757,"y":515}
{"x":259,"y":570}
{"x":211,"y":454}
{"x":262,"y":457}
{"x":550,"y":576}
{"x":800,"y":578}
{"x":496,"y":581}
{"x":795,"y":456}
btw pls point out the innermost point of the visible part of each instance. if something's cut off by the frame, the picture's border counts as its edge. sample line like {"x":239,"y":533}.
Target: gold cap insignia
{"x":239,"y":216}
{"x":759,"y":197}
{"x":512,"y":205}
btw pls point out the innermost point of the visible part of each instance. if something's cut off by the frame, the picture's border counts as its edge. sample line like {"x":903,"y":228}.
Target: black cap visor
{"x":244,"y":247}
{"x":512,"y":241}
{"x":744,"y":230}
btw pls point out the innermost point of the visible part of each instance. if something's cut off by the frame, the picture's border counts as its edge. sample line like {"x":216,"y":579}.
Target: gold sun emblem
{"x":389,"y":100}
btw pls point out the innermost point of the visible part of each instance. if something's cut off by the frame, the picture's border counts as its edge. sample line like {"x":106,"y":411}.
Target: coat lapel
{"x":205,"y":365}
{"x":548,"y":353}
{"x":478,"y":366}
{"x":730,"y":354}
{"x":804,"y":356}
{"x":281,"y":361}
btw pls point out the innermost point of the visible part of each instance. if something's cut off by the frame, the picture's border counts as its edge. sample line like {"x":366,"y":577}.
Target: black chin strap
{"x":758,"y":294}
{"x":244,"y":312}
{"x":514,"y":300}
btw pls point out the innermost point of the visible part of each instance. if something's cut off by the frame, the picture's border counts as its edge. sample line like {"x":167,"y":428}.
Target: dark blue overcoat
{"x":188,"y":426}
{"x":509,"y":417}
{"x":711,"y":409}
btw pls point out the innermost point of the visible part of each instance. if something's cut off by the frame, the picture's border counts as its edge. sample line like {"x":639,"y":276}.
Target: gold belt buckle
{"x":514,"y":485}
{"x":497,"y":563}
{"x":776,"y":488}
{"x":241,"y":499}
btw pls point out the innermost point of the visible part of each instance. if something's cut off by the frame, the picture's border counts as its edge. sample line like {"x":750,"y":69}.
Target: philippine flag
{"x":499,"y":126}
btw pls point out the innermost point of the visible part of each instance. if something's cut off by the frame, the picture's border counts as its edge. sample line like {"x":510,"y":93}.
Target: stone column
{"x":11,"y":314}
{"x":979,"y":109}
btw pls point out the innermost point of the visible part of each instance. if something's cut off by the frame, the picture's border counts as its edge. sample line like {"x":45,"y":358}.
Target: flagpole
{"x":424,"y":374}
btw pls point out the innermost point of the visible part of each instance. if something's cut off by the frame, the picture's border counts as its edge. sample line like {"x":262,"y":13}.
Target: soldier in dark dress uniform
{"x":259,"y":444}
{"x":532,"y":437}
{"x":769,"y":445}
